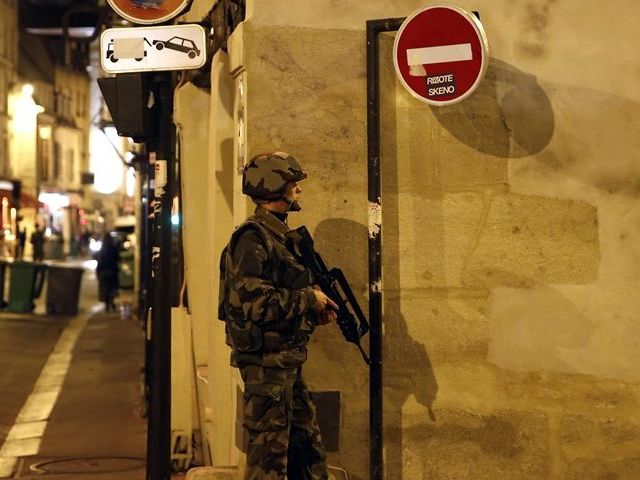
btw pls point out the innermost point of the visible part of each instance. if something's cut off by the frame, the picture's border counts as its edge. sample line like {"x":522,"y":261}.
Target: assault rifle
{"x":333,"y":283}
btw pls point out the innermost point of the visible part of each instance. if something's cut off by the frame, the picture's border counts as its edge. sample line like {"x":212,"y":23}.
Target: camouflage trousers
{"x":281,"y":425}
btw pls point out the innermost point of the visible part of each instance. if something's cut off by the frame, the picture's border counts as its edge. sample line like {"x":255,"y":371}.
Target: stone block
{"x":319,"y":116}
{"x":585,"y":395}
{"x":527,"y":240}
{"x":469,"y":385}
{"x":448,"y":328}
{"x":213,"y":473}
{"x":594,"y":437}
{"x":603,"y":469}
{"x":617,"y":431}
{"x":436,"y":159}
{"x":462,"y":445}
{"x":426,"y":240}
{"x":480,"y":241}
{"x":577,"y":428}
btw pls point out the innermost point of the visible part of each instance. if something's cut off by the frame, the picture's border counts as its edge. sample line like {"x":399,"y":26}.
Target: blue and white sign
{"x":146,"y":49}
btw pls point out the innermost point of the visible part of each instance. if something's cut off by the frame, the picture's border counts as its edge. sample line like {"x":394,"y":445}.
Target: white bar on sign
{"x":442,"y":54}
{"x":128,"y":47}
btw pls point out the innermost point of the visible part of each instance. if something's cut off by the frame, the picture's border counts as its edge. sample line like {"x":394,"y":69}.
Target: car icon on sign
{"x":179,"y":44}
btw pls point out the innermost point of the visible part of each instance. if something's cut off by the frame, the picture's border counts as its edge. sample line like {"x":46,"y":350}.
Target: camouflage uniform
{"x":268,"y":305}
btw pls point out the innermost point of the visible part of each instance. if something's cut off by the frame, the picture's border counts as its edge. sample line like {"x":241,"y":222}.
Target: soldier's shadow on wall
{"x":508,"y":116}
{"x":407,"y":368}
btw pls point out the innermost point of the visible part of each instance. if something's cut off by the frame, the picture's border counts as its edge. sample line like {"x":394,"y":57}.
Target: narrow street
{"x":25,"y":344}
{"x":71,"y":393}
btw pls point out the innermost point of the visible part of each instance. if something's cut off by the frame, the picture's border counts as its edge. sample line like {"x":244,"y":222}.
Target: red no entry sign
{"x":148,"y":12}
{"x":441,"y":54}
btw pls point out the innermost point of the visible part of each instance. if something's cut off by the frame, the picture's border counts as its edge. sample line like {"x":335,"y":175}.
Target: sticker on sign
{"x":447,"y":53}
{"x":441,"y":54}
{"x":145,"y":49}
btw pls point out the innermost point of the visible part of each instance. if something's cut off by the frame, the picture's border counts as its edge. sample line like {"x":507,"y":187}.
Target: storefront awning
{"x":26,"y":200}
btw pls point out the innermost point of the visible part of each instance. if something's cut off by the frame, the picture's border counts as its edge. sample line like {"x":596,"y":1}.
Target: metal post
{"x":374,"y":27}
{"x":145,"y":292}
{"x":143,"y":228}
{"x":159,"y":426}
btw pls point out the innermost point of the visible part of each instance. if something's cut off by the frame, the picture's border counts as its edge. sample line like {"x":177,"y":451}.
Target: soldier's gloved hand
{"x":323,"y":302}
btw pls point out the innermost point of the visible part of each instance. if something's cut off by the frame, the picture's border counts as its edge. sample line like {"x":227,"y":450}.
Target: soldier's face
{"x":294,"y":191}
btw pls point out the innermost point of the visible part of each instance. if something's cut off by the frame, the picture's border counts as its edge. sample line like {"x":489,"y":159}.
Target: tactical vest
{"x":276,"y":343}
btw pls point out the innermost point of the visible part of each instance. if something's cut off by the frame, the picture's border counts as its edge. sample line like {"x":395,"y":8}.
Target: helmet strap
{"x":293,"y":206}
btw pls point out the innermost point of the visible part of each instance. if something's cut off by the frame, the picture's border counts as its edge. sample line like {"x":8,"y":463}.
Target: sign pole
{"x":153,"y":49}
{"x":438,"y":68}
{"x":376,"y":439}
{"x":146,"y":287}
{"x":159,"y":421}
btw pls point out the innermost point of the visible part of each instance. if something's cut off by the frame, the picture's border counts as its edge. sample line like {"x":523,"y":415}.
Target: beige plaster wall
{"x":510,"y":233}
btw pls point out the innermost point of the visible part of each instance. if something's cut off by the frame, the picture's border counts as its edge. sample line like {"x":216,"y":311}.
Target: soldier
{"x":271,"y":307}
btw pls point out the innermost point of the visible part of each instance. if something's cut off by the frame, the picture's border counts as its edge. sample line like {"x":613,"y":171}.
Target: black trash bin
{"x":63,"y":289}
{"x":3,"y":270}
{"x":25,"y":285}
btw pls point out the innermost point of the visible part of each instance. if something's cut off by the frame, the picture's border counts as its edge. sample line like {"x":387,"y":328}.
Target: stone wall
{"x":510,"y":234}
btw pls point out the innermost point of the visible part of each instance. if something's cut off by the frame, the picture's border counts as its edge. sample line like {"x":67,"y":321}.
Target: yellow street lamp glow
{"x":27,"y":90}
{"x":25,"y":110}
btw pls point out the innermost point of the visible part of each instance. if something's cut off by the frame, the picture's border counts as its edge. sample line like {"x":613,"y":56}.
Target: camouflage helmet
{"x":265,"y":176}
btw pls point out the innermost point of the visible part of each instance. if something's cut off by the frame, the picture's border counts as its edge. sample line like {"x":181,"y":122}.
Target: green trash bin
{"x":63,"y":289}
{"x":126,"y":270}
{"x":26,"y":280}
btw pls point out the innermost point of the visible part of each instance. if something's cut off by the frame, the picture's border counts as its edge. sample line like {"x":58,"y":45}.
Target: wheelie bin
{"x":26,"y":280}
{"x":3,"y":272}
{"x":63,"y":289}
{"x":125,"y":271}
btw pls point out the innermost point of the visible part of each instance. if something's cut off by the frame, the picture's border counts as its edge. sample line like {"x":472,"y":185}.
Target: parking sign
{"x":144,"y":49}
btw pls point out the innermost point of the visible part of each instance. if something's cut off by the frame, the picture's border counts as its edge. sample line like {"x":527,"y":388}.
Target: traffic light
{"x":130,"y":101}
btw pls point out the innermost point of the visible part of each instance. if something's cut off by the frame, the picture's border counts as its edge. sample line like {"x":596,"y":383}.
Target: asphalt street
{"x":25,"y":344}
{"x":70,"y":389}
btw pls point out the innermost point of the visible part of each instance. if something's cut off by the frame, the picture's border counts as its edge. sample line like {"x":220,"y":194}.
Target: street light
{"x":25,"y":111}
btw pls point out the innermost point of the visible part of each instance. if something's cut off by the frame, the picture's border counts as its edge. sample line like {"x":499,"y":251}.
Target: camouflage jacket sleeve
{"x":260,"y":300}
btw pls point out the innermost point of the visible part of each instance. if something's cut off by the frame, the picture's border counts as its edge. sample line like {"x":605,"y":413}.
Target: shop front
{"x":17,"y":213}
{"x":62,"y":220}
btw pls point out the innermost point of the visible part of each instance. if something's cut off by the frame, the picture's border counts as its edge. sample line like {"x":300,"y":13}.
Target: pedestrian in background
{"x":271,"y":307}
{"x":21,"y":238}
{"x":37,"y":241}
{"x":85,"y":240}
{"x":107,"y":271}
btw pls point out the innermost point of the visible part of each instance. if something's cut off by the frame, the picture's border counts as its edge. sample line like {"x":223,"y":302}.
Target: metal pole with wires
{"x":159,"y":331}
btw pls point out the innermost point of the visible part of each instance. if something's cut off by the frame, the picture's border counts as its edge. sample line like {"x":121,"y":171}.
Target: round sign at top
{"x":148,"y":12}
{"x":441,"y":54}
